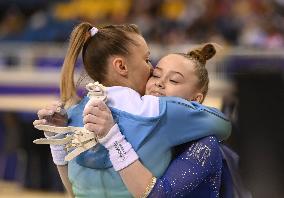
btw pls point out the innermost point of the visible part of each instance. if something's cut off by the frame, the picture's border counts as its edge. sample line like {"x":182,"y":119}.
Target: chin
{"x":142,"y":92}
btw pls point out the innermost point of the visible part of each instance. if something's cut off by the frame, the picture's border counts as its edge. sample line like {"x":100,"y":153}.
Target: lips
{"x":156,"y":93}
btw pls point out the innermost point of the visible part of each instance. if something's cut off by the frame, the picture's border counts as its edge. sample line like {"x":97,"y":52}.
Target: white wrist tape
{"x":58,"y":152}
{"x":121,"y":153}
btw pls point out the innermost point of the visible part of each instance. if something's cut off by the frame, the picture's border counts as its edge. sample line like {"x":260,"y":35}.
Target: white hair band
{"x":93,"y":31}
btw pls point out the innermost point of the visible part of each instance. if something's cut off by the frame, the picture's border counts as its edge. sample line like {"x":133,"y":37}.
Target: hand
{"x":97,"y":118}
{"x":53,"y":114}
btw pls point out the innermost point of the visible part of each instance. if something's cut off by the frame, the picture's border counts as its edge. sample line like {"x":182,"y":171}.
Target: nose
{"x":160,"y":84}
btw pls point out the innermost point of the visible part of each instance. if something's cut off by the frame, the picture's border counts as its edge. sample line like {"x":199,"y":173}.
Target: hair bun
{"x":196,"y":54}
{"x":203,"y":54}
{"x":208,"y":51}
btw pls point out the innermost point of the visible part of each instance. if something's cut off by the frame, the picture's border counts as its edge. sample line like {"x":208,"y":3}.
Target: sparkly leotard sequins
{"x":196,"y":172}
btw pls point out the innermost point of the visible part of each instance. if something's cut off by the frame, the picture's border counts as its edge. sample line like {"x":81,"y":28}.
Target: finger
{"x":60,"y":116}
{"x":93,"y":103}
{"x":92,"y":110}
{"x":96,"y":128}
{"x":93,"y":113}
{"x":58,"y":107}
{"x":44,"y":112}
{"x":38,"y":122}
{"x":101,"y":122}
{"x":92,"y":127}
{"x":105,"y":115}
{"x":57,"y":122}
{"x":61,"y":111}
{"x":54,"y":107}
{"x":57,"y":103}
{"x":102,"y":106}
{"x":94,"y":120}
{"x":88,"y":110}
{"x":89,"y":118}
{"x":51,"y":111}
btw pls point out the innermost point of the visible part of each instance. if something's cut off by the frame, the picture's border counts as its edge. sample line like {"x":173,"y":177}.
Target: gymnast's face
{"x":174,"y":76}
{"x":138,"y":64}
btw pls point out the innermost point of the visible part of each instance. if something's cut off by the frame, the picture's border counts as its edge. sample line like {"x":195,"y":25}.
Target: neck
{"x":115,"y":79}
{"x":117,"y":82}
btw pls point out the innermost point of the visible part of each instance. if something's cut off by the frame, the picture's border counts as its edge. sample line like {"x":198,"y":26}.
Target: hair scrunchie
{"x":93,"y":31}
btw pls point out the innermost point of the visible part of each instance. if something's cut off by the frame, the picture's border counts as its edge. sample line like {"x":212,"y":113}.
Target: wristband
{"x":121,"y":153}
{"x":58,"y":152}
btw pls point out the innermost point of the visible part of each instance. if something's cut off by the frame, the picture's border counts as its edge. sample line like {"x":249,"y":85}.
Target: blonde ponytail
{"x":79,"y":35}
{"x":96,"y":50}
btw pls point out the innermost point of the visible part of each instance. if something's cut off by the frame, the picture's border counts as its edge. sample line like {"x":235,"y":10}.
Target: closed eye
{"x":149,"y":61}
{"x":173,"y":81}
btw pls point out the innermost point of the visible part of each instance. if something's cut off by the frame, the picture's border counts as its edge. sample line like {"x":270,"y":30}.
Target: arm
{"x":172,"y":113}
{"x":63,"y":172}
{"x":121,"y":152}
{"x":136,"y":183}
{"x":202,"y":158}
{"x":124,"y":158}
{"x":186,"y":116}
{"x":53,"y":115}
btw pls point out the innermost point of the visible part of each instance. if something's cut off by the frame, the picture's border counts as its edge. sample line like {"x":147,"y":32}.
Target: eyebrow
{"x":178,"y":73}
{"x":175,"y":72}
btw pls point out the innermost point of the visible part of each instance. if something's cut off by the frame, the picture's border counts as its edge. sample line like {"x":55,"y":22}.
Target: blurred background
{"x":246,"y":78}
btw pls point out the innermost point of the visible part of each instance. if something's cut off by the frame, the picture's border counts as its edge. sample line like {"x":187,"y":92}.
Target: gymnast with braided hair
{"x":147,"y":126}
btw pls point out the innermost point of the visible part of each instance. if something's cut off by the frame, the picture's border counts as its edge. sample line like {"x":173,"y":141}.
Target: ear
{"x":119,"y":66}
{"x":198,"y":97}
